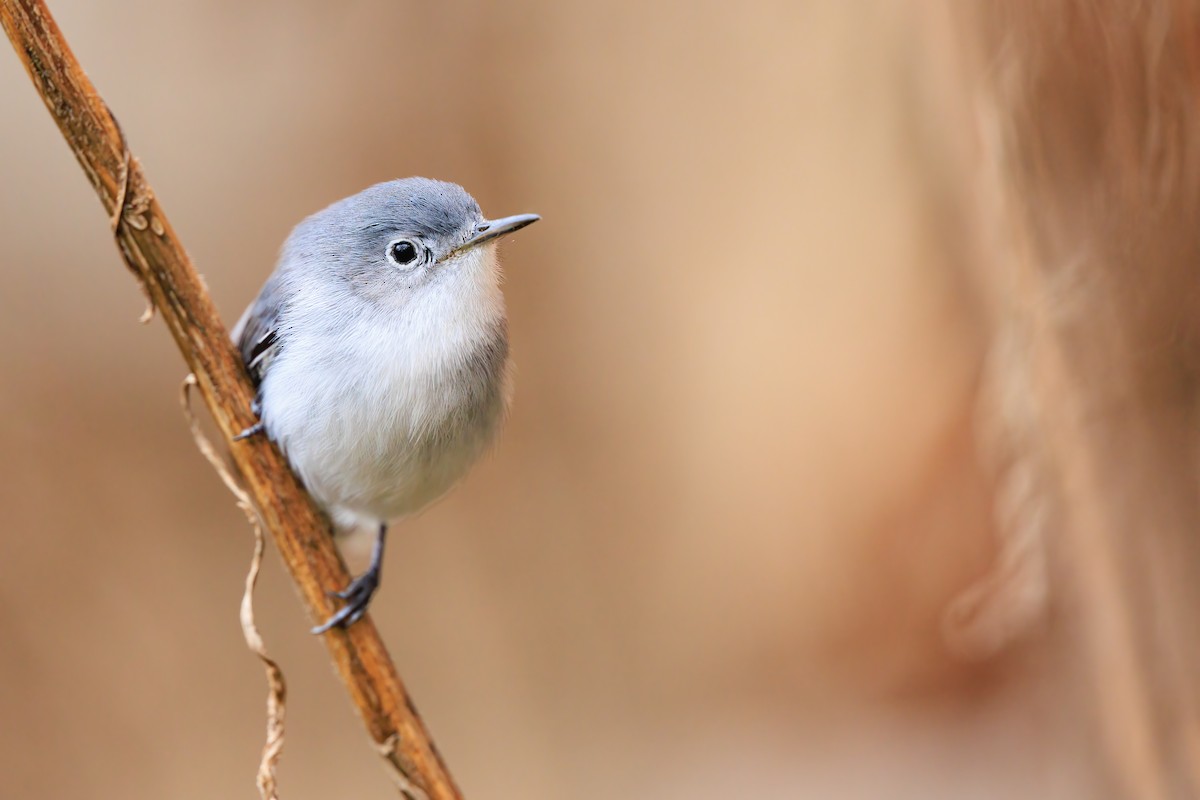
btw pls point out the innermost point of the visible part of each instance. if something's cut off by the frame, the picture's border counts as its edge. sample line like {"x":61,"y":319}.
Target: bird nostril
{"x":482,"y":228}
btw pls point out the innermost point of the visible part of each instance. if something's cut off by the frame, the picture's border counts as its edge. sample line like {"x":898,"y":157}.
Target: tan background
{"x":710,"y":555}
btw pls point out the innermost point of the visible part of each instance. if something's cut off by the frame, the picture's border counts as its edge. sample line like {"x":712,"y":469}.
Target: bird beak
{"x":492,"y":228}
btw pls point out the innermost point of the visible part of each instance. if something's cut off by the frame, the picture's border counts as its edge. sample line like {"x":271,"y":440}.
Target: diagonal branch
{"x":156,"y":257}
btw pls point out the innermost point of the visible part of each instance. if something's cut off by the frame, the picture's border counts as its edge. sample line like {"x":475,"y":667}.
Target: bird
{"x":378,"y":348}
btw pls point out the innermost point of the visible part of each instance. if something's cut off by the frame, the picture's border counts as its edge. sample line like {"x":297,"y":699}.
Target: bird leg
{"x":358,"y":594}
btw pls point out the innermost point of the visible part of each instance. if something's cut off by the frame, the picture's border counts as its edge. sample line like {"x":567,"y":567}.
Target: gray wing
{"x":257,"y":332}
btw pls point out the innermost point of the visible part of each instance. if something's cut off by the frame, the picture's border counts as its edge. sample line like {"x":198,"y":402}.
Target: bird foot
{"x":357,"y":596}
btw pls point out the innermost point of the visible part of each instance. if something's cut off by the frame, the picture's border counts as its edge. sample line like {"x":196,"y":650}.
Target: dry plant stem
{"x":157,"y":258}
{"x":277,"y":686}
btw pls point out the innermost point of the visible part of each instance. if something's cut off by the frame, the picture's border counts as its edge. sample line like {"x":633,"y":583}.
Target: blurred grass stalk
{"x":1088,"y":213}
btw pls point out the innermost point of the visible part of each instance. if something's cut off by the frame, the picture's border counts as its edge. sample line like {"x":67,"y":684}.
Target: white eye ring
{"x":404,"y":253}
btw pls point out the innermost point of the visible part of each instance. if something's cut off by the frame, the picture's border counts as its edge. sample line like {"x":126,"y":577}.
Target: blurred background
{"x":750,"y":530}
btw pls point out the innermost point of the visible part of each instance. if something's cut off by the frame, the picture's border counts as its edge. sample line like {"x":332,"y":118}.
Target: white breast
{"x":380,"y":414}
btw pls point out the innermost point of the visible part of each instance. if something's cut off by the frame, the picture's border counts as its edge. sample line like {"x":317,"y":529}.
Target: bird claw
{"x":257,"y":427}
{"x":357,"y":596}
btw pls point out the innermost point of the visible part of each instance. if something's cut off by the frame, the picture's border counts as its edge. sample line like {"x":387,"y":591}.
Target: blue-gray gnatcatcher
{"x":379,"y":349}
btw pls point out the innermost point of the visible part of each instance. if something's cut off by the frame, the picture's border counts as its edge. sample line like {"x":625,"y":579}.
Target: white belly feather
{"x":380,"y":422}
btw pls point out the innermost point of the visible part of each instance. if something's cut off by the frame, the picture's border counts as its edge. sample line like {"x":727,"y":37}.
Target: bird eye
{"x":402,"y":252}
